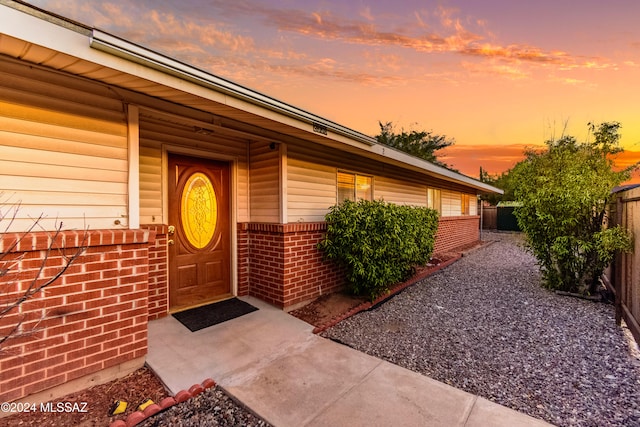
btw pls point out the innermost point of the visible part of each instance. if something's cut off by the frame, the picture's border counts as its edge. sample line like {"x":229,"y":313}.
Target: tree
{"x":564,"y":191}
{"x":422,"y":144}
{"x":504,"y":181}
{"x":14,"y":294}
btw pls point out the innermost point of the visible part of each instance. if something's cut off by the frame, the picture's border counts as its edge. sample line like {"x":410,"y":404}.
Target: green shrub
{"x":379,"y":243}
{"x":564,"y":191}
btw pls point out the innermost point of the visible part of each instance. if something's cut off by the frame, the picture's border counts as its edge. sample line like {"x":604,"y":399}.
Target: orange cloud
{"x":453,"y":37}
{"x":493,"y":158}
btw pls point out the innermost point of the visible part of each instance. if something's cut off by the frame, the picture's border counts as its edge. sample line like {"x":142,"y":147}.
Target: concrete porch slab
{"x":274,"y":364}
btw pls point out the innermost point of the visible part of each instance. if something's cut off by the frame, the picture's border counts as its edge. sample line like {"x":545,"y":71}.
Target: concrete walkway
{"x":270,"y":361}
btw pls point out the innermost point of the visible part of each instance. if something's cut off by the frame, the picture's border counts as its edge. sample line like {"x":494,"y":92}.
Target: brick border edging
{"x":137,"y":417}
{"x":395,"y":290}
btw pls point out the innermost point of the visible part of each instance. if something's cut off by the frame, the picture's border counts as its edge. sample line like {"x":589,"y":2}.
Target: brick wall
{"x":306,"y":274}
{"x":158,"y":273}
{"x":456,"y":231}
{"x":92,"y":318}
{"x":266,"y":262}
{"x":285,"y":266}
{"x":243,"y":259}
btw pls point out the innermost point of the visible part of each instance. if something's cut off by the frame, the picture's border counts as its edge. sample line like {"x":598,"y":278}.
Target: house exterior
{"x":183,"y":187}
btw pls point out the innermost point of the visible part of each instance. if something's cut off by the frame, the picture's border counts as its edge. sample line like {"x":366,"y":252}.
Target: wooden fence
{"x":489,"y":218}
{"x":624,"y":273}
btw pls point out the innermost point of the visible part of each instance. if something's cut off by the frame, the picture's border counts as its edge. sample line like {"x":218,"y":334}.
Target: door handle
{"x":171,"y":230}
{"x":171,"y":242}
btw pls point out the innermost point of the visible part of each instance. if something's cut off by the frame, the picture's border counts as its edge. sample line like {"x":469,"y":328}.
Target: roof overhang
{"x":55,"y":42}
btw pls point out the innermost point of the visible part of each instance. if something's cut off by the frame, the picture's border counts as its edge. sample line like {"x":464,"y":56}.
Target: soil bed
{"x":134,"y":389}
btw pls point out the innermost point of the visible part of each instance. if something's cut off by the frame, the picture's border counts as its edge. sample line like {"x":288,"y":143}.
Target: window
{"x":354,"y":187}
{"x":433,"y":199}
{"x":464,"y":204}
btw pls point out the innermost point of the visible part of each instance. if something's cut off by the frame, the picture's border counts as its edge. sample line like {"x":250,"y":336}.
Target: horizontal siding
{"x":400,"y":192}
{"x":312,"y":187}
{"x":451,"y":203}
{"x":63,"y":150}
{"x":311,"y":190}
{"x":158,"y":131}
{"x":473,"y":205}
{"x":151,"y":202}
{"x":264,"y":183}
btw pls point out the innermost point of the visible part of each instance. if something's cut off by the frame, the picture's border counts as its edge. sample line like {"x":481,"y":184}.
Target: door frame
{"x":167,"y":150}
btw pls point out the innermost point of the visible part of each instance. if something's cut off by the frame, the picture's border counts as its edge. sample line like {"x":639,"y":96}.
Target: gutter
{"x":116,"y":46}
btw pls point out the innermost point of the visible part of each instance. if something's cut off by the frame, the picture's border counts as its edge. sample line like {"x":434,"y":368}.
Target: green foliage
{"x":503,"y":181}
{"x":564,"y":192}
{"x":421,"y":144}
{"x":379,"y":243}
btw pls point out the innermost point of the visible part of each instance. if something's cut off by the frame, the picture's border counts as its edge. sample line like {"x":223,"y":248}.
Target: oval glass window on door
{"x":199,"y":210}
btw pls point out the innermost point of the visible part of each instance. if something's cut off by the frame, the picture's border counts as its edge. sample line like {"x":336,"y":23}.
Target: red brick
{"x":116,"y":308}
{"x":21,"y":381}
{"x":64,"y":348}
{"x":84,"y":351}
{"x":43,"y":364}
{"x":85,"y":333}
{"x":99,"y":283}
{"x":101,"y":357}
{"x":104,"y":320}
{"x":85,"y":370}
{"x":83,"y":296}
{"x":118,"y":360}
{"x":44,"y":384}
{"x":13,"y":372}
{"x":43,"y":344}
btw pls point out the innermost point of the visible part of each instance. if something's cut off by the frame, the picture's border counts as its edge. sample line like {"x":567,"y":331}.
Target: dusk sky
{"x":495,"y":75}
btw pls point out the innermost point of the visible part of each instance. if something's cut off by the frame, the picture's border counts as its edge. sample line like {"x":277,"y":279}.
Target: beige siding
{"x":451,"y":203}
{"x":311,"y":183}
{"x":63,"y":150}
{"x":311,"y":190}
{"x":400,"y":192}
{"x":159,"y":133}
{"x":264,"y":183}
{"x":473,"y":205}
{"x":150,"y":184}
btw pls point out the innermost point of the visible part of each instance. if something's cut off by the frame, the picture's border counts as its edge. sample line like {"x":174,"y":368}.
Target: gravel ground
{"x":485,"y":325}
{"x":213,"y":407}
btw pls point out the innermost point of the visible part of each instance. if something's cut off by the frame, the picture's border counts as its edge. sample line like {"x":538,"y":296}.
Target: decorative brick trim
{"x":137,"y":417}
{"x":286,"y":228}
{"x":41,"y":240}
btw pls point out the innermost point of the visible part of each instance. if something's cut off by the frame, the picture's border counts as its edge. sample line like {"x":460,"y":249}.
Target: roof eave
{"x":124,"y":49}
{"x":113,"y":45}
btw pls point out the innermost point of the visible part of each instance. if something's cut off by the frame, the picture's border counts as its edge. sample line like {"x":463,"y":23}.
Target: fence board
{"x":489,"y":217}
{"x":624,"y":274}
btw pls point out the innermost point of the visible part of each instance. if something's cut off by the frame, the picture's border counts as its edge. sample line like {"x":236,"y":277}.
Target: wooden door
{"x":199,"y":232}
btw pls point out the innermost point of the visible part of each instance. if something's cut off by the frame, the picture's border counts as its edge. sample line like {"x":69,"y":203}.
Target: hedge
{"x":379,"y":243}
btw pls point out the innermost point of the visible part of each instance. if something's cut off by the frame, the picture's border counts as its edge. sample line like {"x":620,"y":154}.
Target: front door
{"x":199,"y":234}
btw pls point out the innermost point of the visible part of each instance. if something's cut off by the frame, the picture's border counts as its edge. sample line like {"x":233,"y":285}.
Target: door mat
{"x":212,"y":314}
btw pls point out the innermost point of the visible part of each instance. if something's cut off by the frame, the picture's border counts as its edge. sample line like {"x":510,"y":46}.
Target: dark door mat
{"x":212,"y":314}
